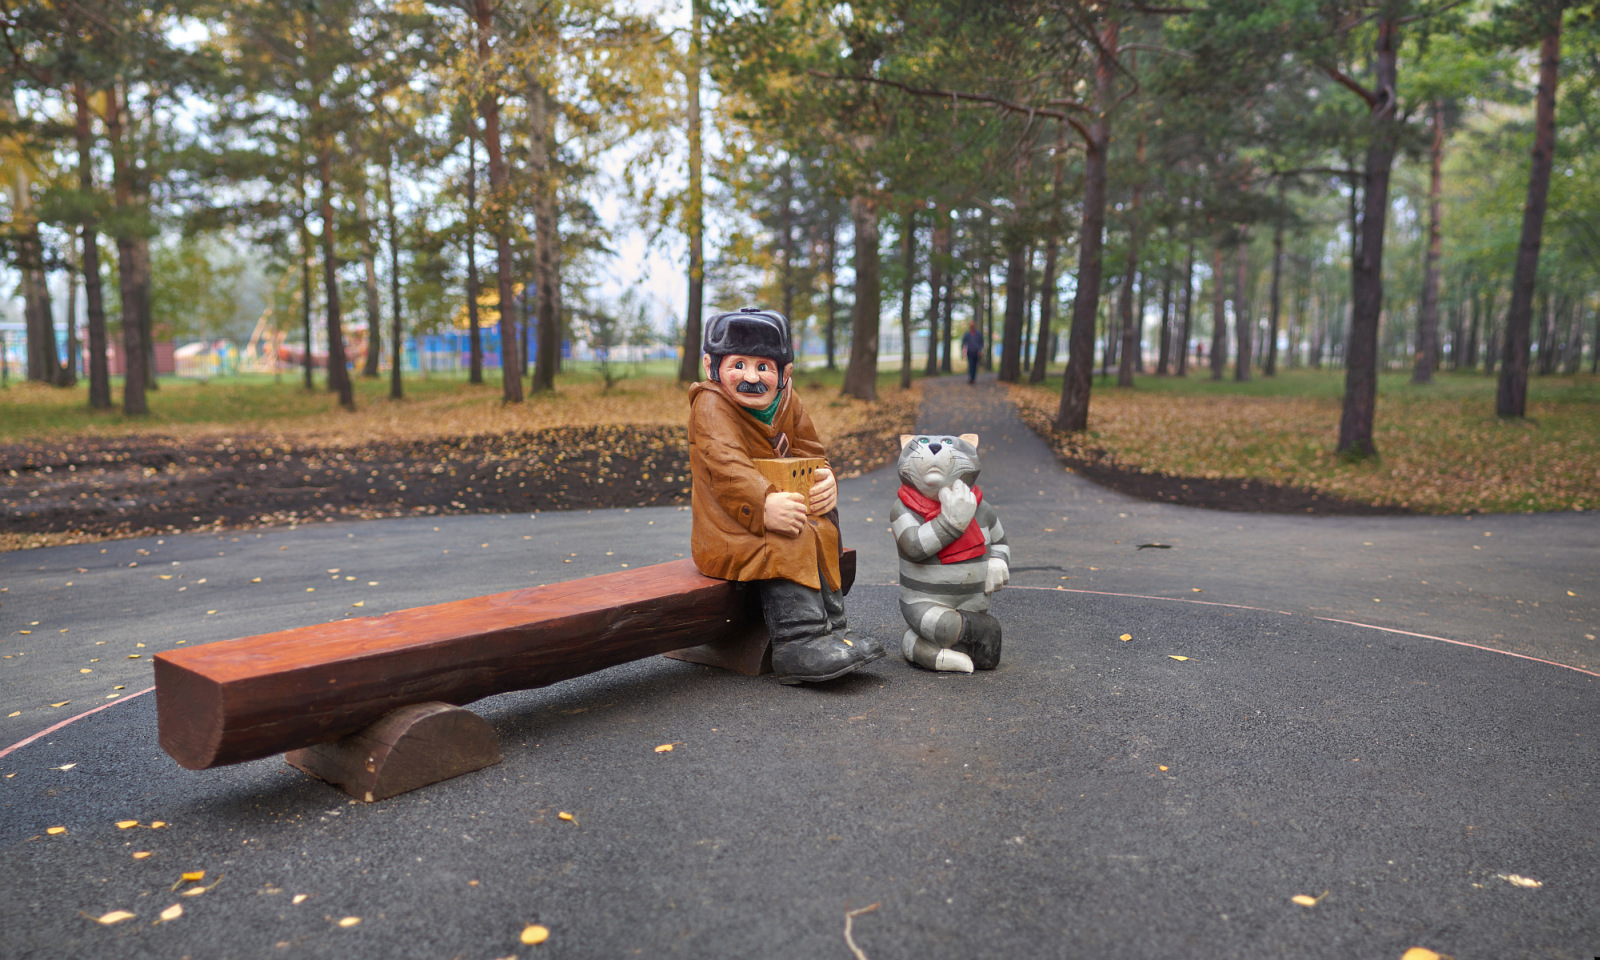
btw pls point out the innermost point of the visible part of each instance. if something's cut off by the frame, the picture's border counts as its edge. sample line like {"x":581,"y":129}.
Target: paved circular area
{"x":1426,"y":787}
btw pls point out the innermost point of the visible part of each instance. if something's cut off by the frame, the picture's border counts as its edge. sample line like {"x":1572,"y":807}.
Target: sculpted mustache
{"x":745,"y":386}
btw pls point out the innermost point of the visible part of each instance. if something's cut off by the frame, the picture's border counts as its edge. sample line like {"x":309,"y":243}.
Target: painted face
{"x":749,"y":381}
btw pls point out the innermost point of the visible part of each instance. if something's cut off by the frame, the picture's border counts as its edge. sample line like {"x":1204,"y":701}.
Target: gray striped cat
{"x":953,"y":555}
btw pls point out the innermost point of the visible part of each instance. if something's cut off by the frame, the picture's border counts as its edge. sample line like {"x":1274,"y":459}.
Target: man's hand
{"x":997,"y":576}
{"x":785,"y":513}
{"x":958,"y":502}
{"x":824,"y":491}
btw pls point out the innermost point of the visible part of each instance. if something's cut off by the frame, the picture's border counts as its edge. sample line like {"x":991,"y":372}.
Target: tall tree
{"x":1541,"y":18}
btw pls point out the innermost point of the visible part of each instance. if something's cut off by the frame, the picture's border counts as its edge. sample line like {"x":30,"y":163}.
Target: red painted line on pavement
{"x":1353,"y":623}
{"x":1140,"y":596}
{"x":52,"y":729}
{"x":1461,"y":643}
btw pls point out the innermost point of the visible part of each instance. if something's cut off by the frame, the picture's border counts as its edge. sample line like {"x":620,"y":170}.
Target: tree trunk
{"x":1474,"y":319}
{"x":1511,"y":397}
{"x":988,"y":317}
{"x":547,"y":237}
{"x":1275,"y":309}
{"x":1027,"y":308}
{"x":1164,"y":346}
{"x":1427,"y":359}
{"x":93,"y":294}
{"x":908,"y":263}
{"x":1366,"y":274}
{"x":689,"y":371}
{"x":500,"y":203}
{"x":1219,"y":315}
{"x":861,"y":377}
{"x":474,"y":334}
{"x":1185,"y":326}
{"x":1244,"y":321}
{"x":338,"y":374}
{"x":69,"y":365}
{"x":141,"y":288}
{"x":1016,"y":297}
{"x":941,"y":234}
{"x":133,"y":352}
{"x":1047,"y":301}
{"x":369,"y":261}
{"x":832,"y":337}
{"x":1546,"y":312}
{"x":397,"y":331}
{"x":949,"y":289}
{"x":1072,"y":416}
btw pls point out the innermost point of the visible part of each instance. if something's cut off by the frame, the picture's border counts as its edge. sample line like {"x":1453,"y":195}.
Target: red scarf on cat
{"x":967,"y":546}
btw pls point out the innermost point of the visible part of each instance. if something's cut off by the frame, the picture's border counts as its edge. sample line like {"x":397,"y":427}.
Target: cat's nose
{"x":933,"y":447}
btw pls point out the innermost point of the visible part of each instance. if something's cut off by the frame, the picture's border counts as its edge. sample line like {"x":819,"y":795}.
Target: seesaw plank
{"x":253,"y":697}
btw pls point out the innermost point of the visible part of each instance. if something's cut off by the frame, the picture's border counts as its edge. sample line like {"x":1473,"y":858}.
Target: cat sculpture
{"x":953,"y":555}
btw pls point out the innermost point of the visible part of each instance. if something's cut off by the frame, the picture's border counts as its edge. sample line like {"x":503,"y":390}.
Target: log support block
{"x":409,"y":748}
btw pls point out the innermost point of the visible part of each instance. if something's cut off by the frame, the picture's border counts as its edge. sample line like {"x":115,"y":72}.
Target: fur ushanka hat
{"x":751,"y":331}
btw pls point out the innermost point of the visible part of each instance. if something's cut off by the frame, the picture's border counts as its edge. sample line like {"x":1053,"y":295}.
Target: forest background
{"x":1310,"y":194}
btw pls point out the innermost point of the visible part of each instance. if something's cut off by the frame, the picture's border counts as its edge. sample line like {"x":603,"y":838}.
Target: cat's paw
{"x":959,"y":503}
{"x":997,"y":576}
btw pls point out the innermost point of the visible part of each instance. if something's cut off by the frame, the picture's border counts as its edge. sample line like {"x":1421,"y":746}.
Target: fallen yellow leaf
{"x":192,"y":875}
{"x":1421,"y":953}
{"x":210,"y":612}
{"x":1162,"y":769}
{"x":165,"y":576}
{"x":115,"y":916}
{"x":664,"y":748}
{"x":1517,"y":881}
{"x":125,"y":824}
{"x":85,"y":670}
{"x":1304,"y":900}
{"x":14,"y":713}
{"x":1571,"y":594}
{"x":55,"y":830}
{"x":534,"y":933}
{"x":255,"y":580}
{"x":1174,"y":656}
{"x":141,"y":854}
{"x":24,"y":631}
{"x":1126,"y":636}
{"x":173,"y":912}
{"x":61,"y":704}
{"x":299,"y":898}
{"x":157,"y":824}
{"x":194,"y":891}
{"x":349,"y":921}
{"x":564,"y":815}
{"x":359,"y":603}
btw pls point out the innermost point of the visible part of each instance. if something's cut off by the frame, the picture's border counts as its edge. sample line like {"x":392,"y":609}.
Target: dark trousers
{"x":794,"y":611}
{"x":972,"y":367}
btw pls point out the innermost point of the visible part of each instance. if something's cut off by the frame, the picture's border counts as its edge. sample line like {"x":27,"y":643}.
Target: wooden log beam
{"x":244,"y":699}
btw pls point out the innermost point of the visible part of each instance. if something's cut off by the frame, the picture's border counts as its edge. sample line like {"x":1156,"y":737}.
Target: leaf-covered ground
{"x":1442,"y":448}
{"x":418,"y":461}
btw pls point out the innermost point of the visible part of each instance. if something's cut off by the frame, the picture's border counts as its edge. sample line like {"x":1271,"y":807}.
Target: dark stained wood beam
{"x":244,"y":699}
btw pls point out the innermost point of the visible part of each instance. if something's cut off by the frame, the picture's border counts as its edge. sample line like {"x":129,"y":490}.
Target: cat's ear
{"x":971,"y":438}
{"x":905,"y":439}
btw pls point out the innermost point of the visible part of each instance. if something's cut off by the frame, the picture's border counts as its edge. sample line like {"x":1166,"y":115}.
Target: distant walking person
{"x":972,"y":348}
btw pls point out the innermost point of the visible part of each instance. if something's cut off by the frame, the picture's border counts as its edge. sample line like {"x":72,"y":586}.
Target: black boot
{"x":820,"y":658}
{"x":980,"y":640}
{"x":805,"y":646}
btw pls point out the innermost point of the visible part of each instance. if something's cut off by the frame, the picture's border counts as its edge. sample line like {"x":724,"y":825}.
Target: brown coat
{"x":729,"y":540}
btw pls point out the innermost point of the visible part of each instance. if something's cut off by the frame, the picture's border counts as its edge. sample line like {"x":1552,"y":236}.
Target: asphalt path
{"x":1096,"y":797}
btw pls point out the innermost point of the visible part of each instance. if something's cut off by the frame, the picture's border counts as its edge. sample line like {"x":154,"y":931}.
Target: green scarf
{"x":765,"y":416}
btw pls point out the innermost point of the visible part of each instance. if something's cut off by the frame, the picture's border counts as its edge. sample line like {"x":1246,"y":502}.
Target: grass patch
{"x":441,"y":405}
{"x":1441,"y":447}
